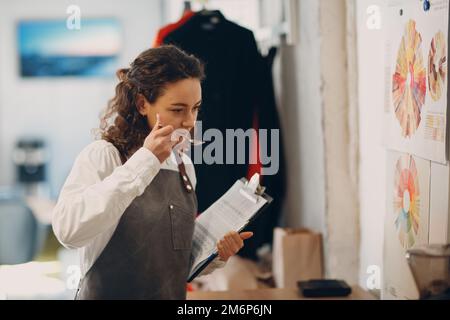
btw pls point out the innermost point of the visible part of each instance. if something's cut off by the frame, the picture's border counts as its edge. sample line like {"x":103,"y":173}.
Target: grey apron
{"x":149,"y":253}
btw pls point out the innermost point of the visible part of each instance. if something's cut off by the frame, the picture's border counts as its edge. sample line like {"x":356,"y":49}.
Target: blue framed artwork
{"x":47,"y":48}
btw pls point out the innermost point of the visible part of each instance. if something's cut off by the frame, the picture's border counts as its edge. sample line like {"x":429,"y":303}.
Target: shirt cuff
{"x":145,"y":165}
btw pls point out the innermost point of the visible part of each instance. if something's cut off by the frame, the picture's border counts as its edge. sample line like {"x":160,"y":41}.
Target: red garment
{"x":167,"y":29}
{"x":255,"y":167}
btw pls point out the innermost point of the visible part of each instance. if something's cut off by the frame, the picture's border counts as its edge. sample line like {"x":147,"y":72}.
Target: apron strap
{"x":184,"y":177}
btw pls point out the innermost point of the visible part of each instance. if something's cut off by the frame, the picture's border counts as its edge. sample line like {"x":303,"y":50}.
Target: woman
{"x":126,"y":205}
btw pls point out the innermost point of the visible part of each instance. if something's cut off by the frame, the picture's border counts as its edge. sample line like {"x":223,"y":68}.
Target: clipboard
{"x":250,"y":189}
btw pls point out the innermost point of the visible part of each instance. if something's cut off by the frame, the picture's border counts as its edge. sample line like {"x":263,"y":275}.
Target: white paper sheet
{"x":406,"y":221}
{"x":415,"y":110}
{"x":230,"y":213}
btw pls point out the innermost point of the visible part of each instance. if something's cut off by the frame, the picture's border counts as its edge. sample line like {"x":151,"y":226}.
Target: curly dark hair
{"x":122,"y":124}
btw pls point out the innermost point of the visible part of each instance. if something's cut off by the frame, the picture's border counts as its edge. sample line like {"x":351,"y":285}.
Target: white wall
{"x":315,"y":112}
{"x":372,"y":171}
{"x":373,"y":153}
{"x":301,"y":116}
{"x":62,"y":110}
{"x":341,"y":183}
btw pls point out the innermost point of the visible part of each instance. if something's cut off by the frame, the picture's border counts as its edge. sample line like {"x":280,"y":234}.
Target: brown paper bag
{"x":297,"y":255}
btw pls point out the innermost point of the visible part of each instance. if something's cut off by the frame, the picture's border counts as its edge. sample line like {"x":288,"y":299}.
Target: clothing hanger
{"x":211,"y":17}
{"x":208,"y":19}
{"x":203,"y":3}
{"x":187,"y":7}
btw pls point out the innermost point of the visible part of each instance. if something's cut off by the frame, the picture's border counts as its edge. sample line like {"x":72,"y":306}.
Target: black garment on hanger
{"x":238,"y":84}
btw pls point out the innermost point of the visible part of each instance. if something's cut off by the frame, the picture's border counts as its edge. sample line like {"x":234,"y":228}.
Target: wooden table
{"x":272,"y":294}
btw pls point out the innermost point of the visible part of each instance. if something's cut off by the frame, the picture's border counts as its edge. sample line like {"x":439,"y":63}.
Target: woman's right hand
{"x":159,"y":140}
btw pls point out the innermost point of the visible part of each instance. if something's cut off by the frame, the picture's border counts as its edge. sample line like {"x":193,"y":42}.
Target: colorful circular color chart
{"x":409,"y":81}
{"x":406,"y":200}
{"x":437,"y":66}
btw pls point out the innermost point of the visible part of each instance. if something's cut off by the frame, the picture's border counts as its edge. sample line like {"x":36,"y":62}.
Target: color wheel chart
{"x":406,"y":221}
{"x":409,"y":81}
{"x":437,"y":66}
{"x":406,"y":200}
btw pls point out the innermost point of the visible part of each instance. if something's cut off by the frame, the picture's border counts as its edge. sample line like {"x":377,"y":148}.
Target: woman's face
{"x":178,"y":106}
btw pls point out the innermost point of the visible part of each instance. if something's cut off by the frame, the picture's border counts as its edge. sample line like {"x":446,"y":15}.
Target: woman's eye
{"x":177,"y":110}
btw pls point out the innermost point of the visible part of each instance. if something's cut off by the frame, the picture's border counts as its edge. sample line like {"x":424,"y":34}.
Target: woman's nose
{"x":189,"y":121}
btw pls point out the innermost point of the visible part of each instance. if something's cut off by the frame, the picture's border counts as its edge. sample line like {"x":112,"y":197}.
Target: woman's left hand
{"x":231,"y":243}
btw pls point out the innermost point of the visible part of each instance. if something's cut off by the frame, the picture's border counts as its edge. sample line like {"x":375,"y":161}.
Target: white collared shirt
{"x":97,"y":192}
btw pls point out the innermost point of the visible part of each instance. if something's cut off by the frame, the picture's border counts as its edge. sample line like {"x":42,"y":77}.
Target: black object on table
{"x":324,"y":288}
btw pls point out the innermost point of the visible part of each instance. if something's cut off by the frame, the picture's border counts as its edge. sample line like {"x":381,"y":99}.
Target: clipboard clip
{"x":252,"y":189}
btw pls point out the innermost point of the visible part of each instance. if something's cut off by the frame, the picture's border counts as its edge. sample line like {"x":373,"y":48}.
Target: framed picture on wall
{"x":48,"y":48}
